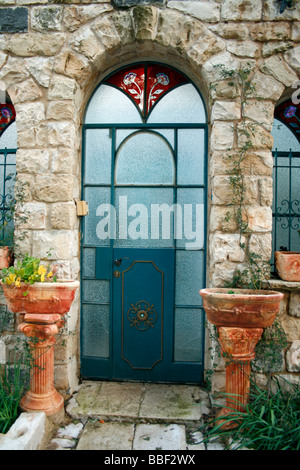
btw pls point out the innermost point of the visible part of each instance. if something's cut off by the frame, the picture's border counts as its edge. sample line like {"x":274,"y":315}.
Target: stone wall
{"x":52,"y":55}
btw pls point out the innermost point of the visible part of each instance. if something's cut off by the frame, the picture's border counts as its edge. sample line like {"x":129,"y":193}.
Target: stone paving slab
{"x":106,"y":436}
{"x":171,"y":402}
{"x":159,"y":437}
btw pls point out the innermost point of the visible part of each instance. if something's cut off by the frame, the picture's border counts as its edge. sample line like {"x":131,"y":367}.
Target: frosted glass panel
{"x":89,"y":262}
{"x":95,"y":330}
{"x":95,"y":197}
{"x":97,"y":156}
{"x":9,"y":137}
{"x":145,"y":158}
{"x":284,"y":139}
{"x":180,"y":105}
{"x":121,"y":135}
{"x":109,"y":105}
{"x":188,"y":334}
{"x":140,"y":225}
{"x":189,"y":277}
{"x":190,"y":168}
{"x":191,"y":201}
{"x":96,"y":291}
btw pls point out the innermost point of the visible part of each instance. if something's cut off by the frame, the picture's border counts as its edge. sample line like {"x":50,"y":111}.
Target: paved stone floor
{"x":133,"y":416}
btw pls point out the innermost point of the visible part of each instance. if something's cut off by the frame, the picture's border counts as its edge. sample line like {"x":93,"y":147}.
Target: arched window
{"x":286,"y":177}
{"x":144,"y":152}
{"x":8,"y":148}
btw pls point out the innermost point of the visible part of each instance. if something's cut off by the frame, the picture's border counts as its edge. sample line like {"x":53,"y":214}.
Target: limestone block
{"x":61,"y":133}
{"x":222,"y":219}
{"x":291,"y":326}
{"x":226,"y":110}
{"x":230,"y":31}
{"x":32,"y":44}
{"x":61,"y":110}
{"x":222,"y":191}
{"x":293,"y":58}
{"x":241,"y":10}
{"x":144,"y":22}
{"x":123,"y":23}
{"x":85,"y":42}
{"x":40,"y":68}
{"x":35,"y":214}
{"x":55,"y":244}
{"x":280,"y":70}
{"x":260,"y":111}
{"x":29,"y":114}
{"x":261,"y":244}
{"x":63,"y":161}
{"x":46,"y":18}
{"x":25,"y":91}
{"x":207,"y":46}
{"x":266,"y":191}
{"x":26,"y":433}
{"x":276,"y":47}
{"x":293,"y":357}
{"x":243,"y":48}
{"x":295,"y":36}
{"x":63,"y":216}
{"x":222,"y":135}
{"x":294,"y":305}
{"x":269,"y":31}
{"x":178,"y":31}
{"x":259,"y":219}
{"x":13,"y":72}
{"x":226,"y":247}
{"x":73,"y":65}
{"x":77,"y":15}
{"x":267,"y":87}
{"x":271,"y":11}
{"x":222,"y":273}
{"x":208,"y":11}
{"x":249,"y":131}
{"x":211,"y":69}
{"x":53,"y":188}
{"x":62,"y":88}
{"x":105,"y":30}
{"x":32,"y":161}
{"x":36,"y":136}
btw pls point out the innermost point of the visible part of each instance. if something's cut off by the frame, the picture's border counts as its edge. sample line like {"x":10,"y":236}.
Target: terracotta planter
{"x":240,"y":319}
{"x":245,"y":308}
{"x":5,"y":257}
{"x":288,"y":265}
{"x":41,"y":297}
{"x":43,"y":307}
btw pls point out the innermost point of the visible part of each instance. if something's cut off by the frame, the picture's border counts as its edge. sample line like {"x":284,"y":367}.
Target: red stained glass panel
{"x":7,"y":115}
{"x":289,"y":113}
{"x":146,"y":83}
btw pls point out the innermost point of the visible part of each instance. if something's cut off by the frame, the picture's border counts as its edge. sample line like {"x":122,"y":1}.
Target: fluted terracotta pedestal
{"x":238,"y":345}
{"x":42,"y":396}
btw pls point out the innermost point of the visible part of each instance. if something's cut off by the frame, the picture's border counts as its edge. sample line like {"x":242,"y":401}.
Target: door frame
{"x":107,"y":364}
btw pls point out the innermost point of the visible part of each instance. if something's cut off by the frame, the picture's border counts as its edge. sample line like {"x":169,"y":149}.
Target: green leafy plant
{"x":28,"y":270}
{"x":271,"y":420}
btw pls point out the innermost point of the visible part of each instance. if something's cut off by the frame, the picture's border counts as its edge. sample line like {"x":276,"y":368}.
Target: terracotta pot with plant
{"x":31,"y":289}
{"x":288,"y":264}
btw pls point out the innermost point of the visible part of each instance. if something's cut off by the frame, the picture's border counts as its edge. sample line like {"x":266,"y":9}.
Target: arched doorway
{"x":143,"y":241}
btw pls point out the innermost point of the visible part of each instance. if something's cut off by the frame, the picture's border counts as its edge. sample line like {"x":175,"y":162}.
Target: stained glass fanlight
{"x":145,"y":84}
{"x":289,"y":113}
{"x":7,"y":116}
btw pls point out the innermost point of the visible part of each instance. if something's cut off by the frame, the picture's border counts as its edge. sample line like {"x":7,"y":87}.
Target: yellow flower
{"x":18,"y":282}
{"x":50,"y":274}
{"x":12,"y":277}
{"x":42,"y":270}
{"x":7,"y":281}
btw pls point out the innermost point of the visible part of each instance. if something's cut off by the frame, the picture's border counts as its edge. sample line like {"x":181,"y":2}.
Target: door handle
{"x":118,"y":262}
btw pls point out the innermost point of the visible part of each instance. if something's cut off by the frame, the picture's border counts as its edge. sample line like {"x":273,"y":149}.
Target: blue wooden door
{"x":143,"y":241}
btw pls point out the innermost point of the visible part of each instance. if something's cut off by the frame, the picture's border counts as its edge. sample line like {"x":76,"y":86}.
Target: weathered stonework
{"x":51,"y":70}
